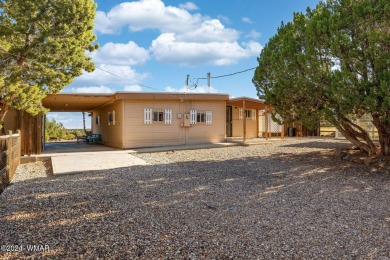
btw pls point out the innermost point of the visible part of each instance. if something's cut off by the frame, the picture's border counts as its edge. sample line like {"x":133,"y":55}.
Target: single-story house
{"x":145,"y":119}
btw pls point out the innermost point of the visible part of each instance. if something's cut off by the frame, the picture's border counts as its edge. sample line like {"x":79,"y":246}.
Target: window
{"x":248,"y":114}
{"x":148,"y":116}
{"x":209,"y":117}
{"x":111,"y":118}
{"x":157,"y":115}
{"x":168,"y":116}
{"x":193,"y":117}
{"x":201,"y":117}
{"x":97,"y":120}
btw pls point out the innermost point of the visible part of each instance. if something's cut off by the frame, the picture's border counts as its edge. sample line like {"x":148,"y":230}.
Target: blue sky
{"x":151,"y":45}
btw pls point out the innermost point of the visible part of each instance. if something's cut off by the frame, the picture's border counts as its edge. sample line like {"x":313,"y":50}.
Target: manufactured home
{"x":129,"y":119}
{"x":145,"y":119}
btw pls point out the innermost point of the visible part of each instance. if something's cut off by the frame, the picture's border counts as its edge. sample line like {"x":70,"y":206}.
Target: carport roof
{"x":76,"y":102}
{"x":85,"y":102}
{"x":250,"y":103}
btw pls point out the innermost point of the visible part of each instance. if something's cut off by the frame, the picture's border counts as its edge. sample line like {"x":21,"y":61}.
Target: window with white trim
{"x":158,"y":115}
{"x":168,"y":116}
{"x":250,"y":114}
{"x":193,"y":117}
{"x":201,"y":117}
{"x":209,"y":117}
{"x":240,"y":113}
{"x":148,"y":116}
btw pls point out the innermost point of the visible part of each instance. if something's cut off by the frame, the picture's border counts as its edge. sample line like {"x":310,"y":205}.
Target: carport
{"x":71,"y":102}
{"x":251,"y":115}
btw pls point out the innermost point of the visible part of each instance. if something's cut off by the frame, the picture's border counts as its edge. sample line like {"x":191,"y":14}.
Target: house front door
{"x":229,"y":127}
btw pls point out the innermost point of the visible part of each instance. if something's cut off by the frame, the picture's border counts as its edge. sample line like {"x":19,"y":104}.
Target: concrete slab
{"x":82,"y":162}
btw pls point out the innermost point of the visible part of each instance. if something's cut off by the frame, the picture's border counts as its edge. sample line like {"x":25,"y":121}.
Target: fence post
{"x":9,"y":161}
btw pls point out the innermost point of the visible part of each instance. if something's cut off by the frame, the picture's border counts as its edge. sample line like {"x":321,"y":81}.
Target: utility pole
{"x":208,"y":82}
{"x":187,"y":80}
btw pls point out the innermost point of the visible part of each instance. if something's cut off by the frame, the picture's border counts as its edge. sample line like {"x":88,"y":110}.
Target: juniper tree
{"x":334,"y":63}
{"x":43,"y":46}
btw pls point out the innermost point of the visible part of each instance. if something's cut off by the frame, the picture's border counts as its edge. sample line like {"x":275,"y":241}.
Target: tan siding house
{"x":158,"y":119}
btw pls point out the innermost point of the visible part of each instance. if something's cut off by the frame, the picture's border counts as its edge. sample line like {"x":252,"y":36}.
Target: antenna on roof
{"x":187,"y":79}
{"x":208,"y":82}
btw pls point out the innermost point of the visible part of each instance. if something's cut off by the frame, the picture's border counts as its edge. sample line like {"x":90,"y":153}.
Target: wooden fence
{"x":9,"y":156}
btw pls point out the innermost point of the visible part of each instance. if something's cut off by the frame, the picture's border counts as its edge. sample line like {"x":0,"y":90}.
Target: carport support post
{"x":266,"y":124}
{"x":244,"y":121}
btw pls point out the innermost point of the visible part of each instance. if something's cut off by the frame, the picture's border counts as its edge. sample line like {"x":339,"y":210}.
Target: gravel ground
{"x":293,"y":199}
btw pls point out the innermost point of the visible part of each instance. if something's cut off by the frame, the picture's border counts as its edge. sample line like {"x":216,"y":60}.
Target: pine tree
{"x":334,"y":63}
{"x":42,"y":49}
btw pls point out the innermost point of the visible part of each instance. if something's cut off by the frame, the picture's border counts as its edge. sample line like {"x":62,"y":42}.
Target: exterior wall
{"x":202,"y":133}
{"x":112,"y":135}
{"x":251,"y":125}
{"x":139,"y":134}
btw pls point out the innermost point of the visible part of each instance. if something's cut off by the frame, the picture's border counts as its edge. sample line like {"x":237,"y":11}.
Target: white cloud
{"x":198,"y":89}
{"x":224,"y":19}
{"x":247,"y":20}
{"x":253,"y":34}
{"x":167,"y":49}
{"x":120,"y":54}
{"x":112,"y":75}
{"x":133,"y":88}
{"x":146,"y":14}
{"x":209,"y":31}
{"x":94,"y":89}
{"x":189,"y":6}
{"x":185,"y":39}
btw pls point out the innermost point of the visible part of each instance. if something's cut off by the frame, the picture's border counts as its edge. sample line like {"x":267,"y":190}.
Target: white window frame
{"x":168,"y":116}
{"x":250,"y":114}
{"x":148,"y":116}
{"x":240,"y":113}
{"x":193,"y":115}
{"x":209,"y":117}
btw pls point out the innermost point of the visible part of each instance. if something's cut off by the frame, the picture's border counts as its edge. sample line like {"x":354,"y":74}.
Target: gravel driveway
{"x":292,"y":199}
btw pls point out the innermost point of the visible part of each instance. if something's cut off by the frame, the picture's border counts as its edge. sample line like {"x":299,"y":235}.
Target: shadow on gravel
{"x":286,"y":205}
{"x":319,"y":144}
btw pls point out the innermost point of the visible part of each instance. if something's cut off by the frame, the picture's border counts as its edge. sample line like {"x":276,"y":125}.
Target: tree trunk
{"x":3,"y":112}
{"x":383,"y":127}
{"x":356,"y":135}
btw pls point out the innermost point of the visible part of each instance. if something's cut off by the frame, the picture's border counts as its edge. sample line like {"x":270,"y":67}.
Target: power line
{"x":142,"y":85}
{"x":108,"y":72}
{"x":228,"y":75}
